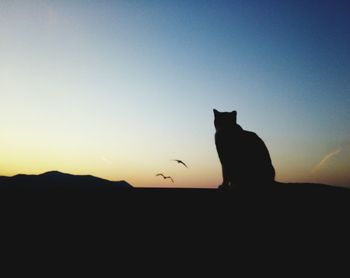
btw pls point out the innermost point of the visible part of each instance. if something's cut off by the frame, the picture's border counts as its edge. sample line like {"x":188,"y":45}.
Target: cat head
{"x":225,"y":119}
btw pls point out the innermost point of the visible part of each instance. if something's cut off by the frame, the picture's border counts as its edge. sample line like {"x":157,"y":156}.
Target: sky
{"x":117,"y":89}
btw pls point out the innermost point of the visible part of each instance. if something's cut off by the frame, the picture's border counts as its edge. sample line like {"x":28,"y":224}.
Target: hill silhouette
{"x":55,"y":180}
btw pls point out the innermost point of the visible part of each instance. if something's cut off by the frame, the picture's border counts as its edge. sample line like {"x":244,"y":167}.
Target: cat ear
{"x":234,"y":114}
{"x":216,"y":112}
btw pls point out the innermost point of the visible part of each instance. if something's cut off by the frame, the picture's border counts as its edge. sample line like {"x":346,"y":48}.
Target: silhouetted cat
{"x":243,"y":155}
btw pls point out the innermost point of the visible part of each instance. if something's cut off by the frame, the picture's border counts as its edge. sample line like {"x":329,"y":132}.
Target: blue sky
{"x":118,"y":88}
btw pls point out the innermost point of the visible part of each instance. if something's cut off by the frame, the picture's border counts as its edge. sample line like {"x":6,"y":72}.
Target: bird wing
{"x":183,"y":163}
{"x":160,"y":174}
{"x":180,"y":161}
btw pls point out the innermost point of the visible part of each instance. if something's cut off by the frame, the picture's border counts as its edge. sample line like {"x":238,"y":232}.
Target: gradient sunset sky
{"x":117,"y":89}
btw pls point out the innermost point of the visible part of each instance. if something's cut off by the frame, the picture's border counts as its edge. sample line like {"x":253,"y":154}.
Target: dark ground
{"x":64,"y":192}
{"x":303,"y":201}
{"x":175,"y":229}
{"x":67,"y":200}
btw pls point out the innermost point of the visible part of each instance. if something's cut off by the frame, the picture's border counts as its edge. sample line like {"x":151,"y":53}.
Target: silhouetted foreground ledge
{"x":144,"y":215}
{"x":55,"y":189}
{"x":62,"y":216}
{"x":57,"y":182}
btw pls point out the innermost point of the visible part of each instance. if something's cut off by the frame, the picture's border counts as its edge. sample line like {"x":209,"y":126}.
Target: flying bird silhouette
{"x":181,"y":162}
{"x":164,"y":177}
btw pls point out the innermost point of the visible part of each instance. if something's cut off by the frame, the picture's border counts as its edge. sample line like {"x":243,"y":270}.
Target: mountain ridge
{"x":59,"y":179}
